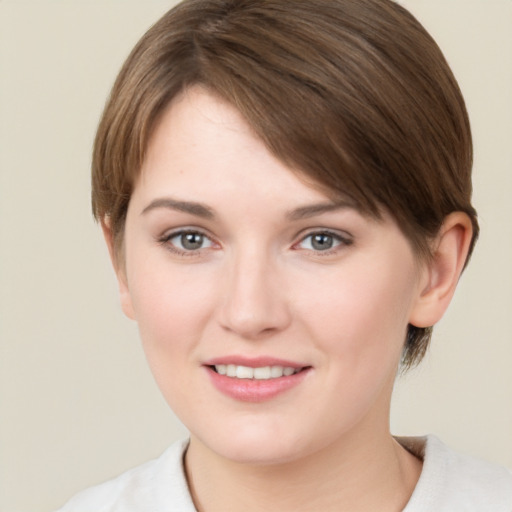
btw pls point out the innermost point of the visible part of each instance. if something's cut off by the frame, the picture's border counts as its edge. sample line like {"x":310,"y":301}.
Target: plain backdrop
{"x":78,"y":404}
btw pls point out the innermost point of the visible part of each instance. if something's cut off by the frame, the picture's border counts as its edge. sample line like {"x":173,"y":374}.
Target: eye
{"x":187,"y":241}
{"x":322,"y":241}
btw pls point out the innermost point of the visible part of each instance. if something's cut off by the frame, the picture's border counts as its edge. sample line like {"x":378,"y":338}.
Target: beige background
{"x":77,"y":402}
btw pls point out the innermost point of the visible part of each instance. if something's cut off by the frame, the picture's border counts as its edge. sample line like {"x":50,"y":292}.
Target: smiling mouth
{"x":255,"y":381}
{"x":259,"y":373}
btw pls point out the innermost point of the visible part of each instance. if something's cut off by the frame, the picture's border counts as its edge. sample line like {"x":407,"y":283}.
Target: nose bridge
{"x":254,"y":304}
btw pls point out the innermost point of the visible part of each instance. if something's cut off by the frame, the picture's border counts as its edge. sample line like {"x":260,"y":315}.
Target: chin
{"x":254,"y":446}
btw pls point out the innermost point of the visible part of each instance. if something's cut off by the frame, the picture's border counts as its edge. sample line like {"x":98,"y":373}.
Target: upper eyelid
{"x":171,"y":233}
{"x":338,"y":233}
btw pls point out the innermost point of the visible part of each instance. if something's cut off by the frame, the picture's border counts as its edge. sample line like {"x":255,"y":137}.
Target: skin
{"x":257,"y":285}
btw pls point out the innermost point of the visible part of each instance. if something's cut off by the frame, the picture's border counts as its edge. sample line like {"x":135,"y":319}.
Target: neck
{"x":352,"y":474}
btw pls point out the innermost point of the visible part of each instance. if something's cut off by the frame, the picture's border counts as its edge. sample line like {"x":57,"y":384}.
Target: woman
{"x":285,"y":191}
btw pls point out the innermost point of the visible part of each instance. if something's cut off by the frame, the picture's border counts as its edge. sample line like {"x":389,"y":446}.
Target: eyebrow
{"x":305,"y":212}
{"x":204,"y":211}
{"x":198,"y":209}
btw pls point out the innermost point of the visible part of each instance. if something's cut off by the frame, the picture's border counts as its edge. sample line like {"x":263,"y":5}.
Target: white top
{"x":449,"y":482}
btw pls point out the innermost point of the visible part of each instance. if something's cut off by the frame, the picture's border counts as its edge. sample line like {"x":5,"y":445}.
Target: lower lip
{"x":254,"y":390}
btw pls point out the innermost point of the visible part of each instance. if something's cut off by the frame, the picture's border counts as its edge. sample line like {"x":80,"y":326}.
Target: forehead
{"x":202,"y":142}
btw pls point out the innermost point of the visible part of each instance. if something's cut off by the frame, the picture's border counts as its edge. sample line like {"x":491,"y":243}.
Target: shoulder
{"x":156,"y":485}
{"x":452,"y":481}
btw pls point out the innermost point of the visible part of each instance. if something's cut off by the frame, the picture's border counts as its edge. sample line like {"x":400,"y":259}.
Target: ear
{"x":441,"y":275}
{"x":118,"y":263}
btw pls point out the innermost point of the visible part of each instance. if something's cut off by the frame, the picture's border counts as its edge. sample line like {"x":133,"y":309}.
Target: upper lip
{"x":253,"y":362}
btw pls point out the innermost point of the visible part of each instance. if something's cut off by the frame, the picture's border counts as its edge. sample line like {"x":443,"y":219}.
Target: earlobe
{"x":441,"y":274}
{"x":119,"y":269}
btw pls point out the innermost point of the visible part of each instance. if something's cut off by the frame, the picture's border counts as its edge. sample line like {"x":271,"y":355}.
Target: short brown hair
{"x":353,"y":94}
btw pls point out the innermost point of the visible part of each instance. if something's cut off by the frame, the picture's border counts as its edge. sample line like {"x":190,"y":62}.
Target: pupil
{"x":192,"y":241}
{"x":322,"y":242}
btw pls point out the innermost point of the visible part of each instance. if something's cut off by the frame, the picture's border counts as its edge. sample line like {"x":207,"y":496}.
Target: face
{"x":272,"y":318}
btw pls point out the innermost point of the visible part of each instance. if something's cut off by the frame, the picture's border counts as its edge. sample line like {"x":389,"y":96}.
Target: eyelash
{"x":338,"y":239}
{"x":165,"y":240}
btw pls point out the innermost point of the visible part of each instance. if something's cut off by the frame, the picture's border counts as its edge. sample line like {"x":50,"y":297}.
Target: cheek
{"x":172,"y":304}
{"x":360,"y":315}
{"x":172,"y":311}
{"x":358,"y":322}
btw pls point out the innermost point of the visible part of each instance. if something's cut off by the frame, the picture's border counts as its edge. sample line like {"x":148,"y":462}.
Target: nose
{"x":255,"y":302}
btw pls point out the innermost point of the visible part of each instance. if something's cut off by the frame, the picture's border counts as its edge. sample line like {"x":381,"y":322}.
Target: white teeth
{"x":221,"y":369}
{"x":261,"y":373}
{"x":244,"y":372}
{"x":276,"y":371}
